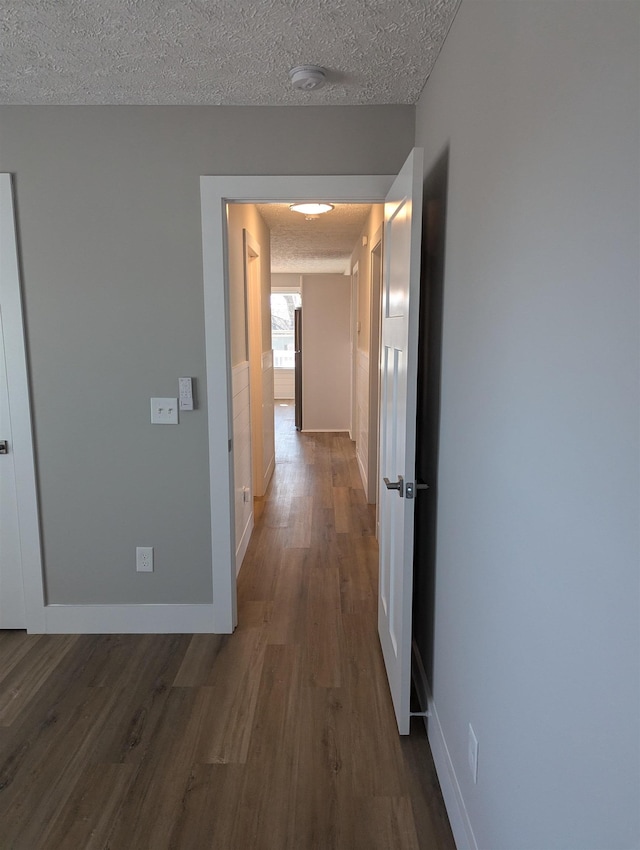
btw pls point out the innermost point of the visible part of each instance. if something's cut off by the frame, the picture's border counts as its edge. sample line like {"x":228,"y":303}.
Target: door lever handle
{"x":395,"y":485}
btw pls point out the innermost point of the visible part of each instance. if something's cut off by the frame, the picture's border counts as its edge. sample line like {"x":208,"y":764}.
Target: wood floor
{"x":279,"y":737}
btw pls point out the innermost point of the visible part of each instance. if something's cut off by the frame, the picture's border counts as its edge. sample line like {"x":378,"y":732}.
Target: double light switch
{"x":164,"y":411}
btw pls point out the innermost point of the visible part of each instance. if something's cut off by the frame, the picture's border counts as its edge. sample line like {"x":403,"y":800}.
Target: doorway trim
{"x":20,"y":405}
{"x":215,"y":193}
{"x":376,"y":264}
{"x":354,"y":330}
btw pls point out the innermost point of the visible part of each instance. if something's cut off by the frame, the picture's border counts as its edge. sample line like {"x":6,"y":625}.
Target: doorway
{"x":216,"y":194}
{"x":402,"y":197}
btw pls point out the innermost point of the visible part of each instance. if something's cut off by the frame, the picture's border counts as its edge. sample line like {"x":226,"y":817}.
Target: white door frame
{"x":253,"y":323}
{"x":376,"y":247}
{"x":215,"y":194}
{"x":20,"y":411}
{"x":355,"y":282}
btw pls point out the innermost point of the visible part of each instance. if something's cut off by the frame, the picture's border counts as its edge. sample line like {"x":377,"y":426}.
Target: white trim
{"x":243,"y":545}
{"x":453,"y":800}
{"x":362,"y":393}
{"x":253,"y":325}
{"x":353,"y":332}
{"x":324,"y":431}
{"x":240,"y":391}
{"x":454,"y":803}
{"x":219,"y":406}
{"x":268,"y":473}
{"x":363,"y":472}
{"x":215,"y":193}
{"x":19,"y":401}
{"x":129,"y":619}
{"x":375,"y":330}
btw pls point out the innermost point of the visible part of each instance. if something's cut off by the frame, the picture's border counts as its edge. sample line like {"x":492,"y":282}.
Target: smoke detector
{"x":308,"y":77}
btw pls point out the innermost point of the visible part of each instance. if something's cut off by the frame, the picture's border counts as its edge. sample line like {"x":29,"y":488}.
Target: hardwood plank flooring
{"x":278,"y":737}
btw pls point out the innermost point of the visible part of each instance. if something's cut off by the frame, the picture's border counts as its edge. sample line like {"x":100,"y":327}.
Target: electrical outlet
{"x":144,"y":559}
{"x":473,"y":754}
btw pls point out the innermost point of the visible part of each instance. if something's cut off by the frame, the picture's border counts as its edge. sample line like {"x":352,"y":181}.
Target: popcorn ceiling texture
{"x":321,"y":245}
{"x":217,"y":51}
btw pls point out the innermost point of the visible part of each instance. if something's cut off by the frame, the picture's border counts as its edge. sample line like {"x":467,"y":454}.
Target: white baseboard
{"x":325,"y":431}
{"x":241,"y":551}
{"x":128,"y":619}
{"x":453,"y":801}
{"x":363,"y":473}
{"x":267,"y":476}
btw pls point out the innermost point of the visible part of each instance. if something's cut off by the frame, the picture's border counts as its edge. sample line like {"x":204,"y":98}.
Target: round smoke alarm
{"x":308,"y":77}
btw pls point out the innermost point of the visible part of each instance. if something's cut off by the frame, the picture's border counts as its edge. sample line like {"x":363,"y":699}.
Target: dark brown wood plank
{"x":300,"y":517}
{"x":198,"y":661}
{"x":324,"y":635}
{"x":86,"y":818}
{"x":26,"y":678}
{"x":155,"y":798}
{"x":288,"y":617}
{"x":267,"y":796}
{"x":229,"y":700}
{"x":209,"y":809}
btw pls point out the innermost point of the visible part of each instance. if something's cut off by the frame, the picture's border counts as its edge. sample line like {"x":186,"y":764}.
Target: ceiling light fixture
{"x":308,"y":77}
{"x":311,"y":209}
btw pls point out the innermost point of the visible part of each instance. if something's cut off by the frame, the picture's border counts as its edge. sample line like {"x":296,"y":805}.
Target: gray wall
{"x":109,"y":224}
{"x":537,"y":588}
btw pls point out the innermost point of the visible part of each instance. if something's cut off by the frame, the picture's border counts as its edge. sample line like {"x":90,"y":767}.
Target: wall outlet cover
{"x":144,"y":559}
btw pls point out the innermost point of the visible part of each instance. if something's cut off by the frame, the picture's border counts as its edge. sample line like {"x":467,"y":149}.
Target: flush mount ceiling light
{"x":311,"y":209}
{"x":308,"y":77}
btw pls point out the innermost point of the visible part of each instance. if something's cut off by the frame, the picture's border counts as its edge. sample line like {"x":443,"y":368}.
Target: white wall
{"x":326,"y":356}
{"x":284,"y":383}
{"x":537,"y":588}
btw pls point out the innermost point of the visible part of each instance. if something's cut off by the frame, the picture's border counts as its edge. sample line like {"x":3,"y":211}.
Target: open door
{"x":21,"y":585}
{"x":398,"y":393}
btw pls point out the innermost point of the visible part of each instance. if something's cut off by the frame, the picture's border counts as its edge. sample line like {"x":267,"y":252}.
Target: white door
{"x":21,"y":587}
{"x":398,"y":391}
{"x":12,"y":611}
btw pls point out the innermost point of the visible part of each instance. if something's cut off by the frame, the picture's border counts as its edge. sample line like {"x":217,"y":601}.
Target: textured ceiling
{"x":322,"y":245}
{"x":217,"y":51}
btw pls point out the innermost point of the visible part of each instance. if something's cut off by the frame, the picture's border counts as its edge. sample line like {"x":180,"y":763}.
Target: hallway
{"x":329,"y":743}
{"x":279,"y":737}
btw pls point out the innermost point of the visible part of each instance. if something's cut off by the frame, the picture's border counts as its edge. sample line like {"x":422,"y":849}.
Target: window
{"x":283,"y":305}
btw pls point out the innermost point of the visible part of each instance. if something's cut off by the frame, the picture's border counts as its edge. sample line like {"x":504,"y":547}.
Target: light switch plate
{"x":164,"y":411}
